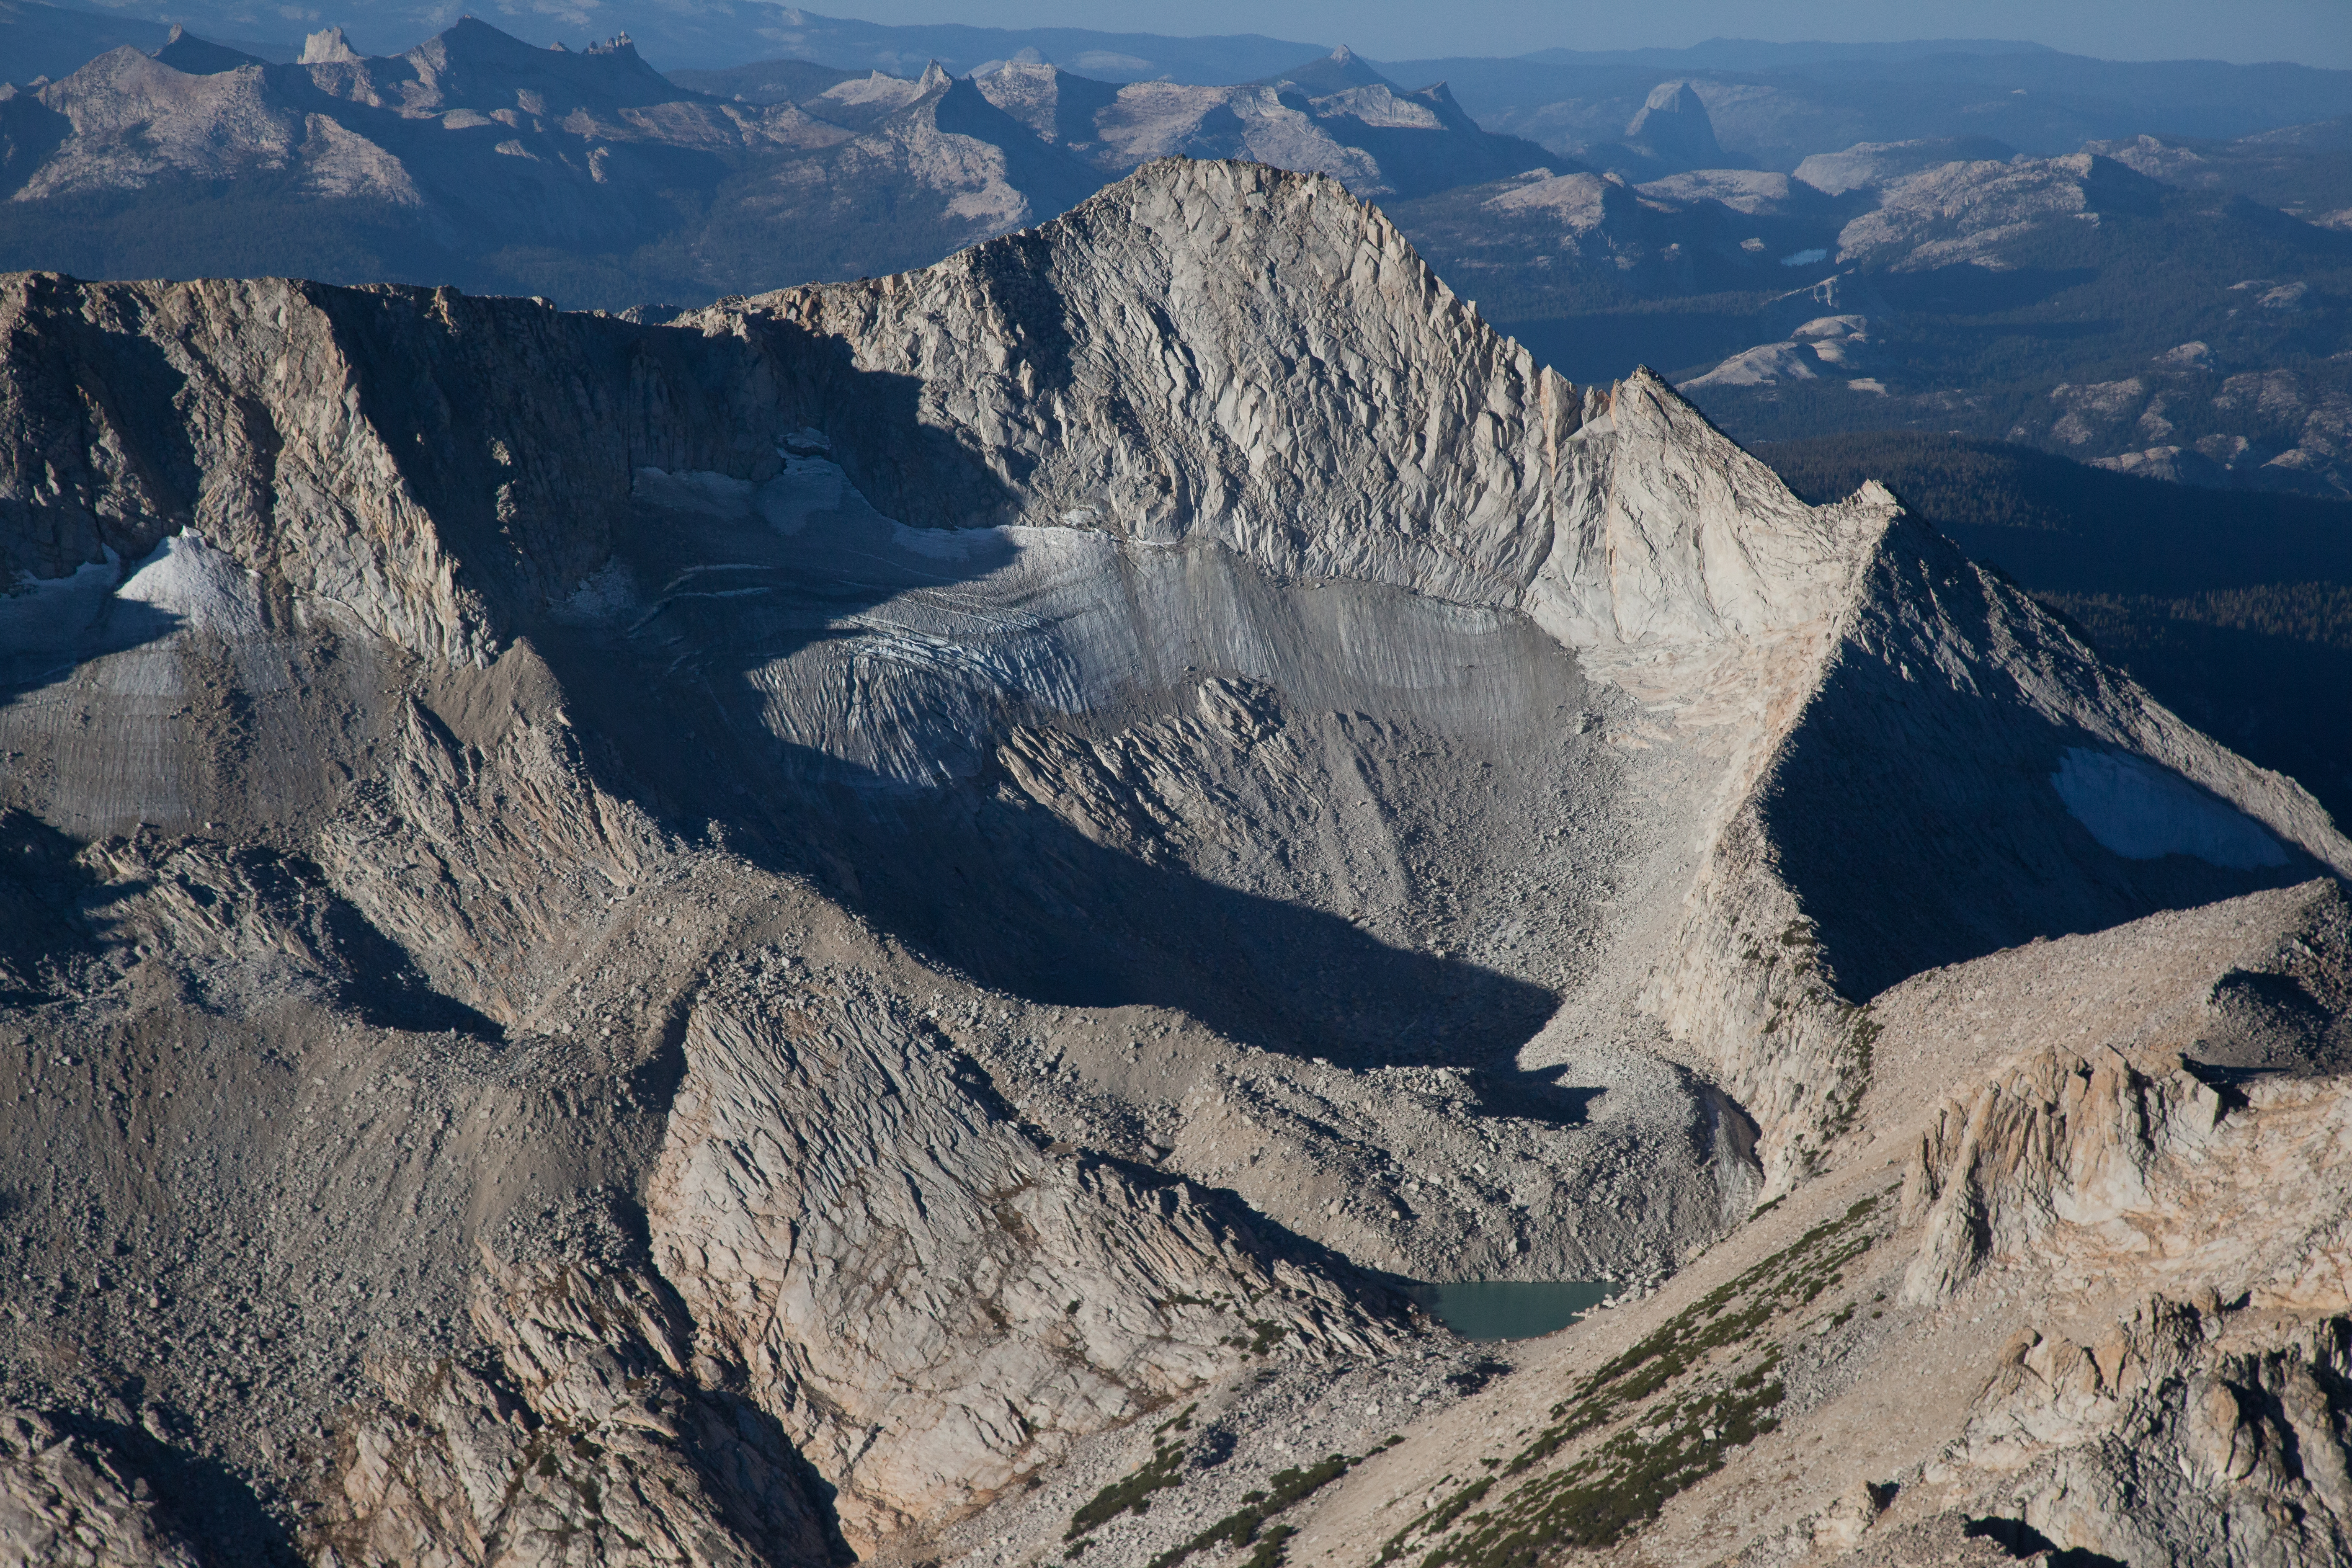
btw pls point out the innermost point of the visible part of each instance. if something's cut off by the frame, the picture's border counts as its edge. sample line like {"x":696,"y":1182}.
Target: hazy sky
{"x":2311,"y":32}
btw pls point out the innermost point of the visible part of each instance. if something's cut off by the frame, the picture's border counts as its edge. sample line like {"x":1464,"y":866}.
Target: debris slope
{"x":803,"y":915}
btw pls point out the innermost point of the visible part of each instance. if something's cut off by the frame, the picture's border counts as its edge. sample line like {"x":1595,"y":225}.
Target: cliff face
{"x":931,"y":1330}
{"x":918,"y":870}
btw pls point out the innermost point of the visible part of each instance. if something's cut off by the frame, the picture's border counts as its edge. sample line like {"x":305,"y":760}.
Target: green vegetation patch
{"x":1132,"y":1494}
{"x":1271,"y":1553}
{"x":1597,"y":1500}
{"x":1692,"y":1410}
{"x":1265,"y":1333}
{"x":1242,"y":1526}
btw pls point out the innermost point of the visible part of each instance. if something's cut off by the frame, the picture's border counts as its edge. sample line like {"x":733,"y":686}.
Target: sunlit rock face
{"x":755,"y":933}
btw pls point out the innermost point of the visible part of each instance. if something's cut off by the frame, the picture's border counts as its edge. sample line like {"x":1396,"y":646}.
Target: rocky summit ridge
{"x":850,"y":922}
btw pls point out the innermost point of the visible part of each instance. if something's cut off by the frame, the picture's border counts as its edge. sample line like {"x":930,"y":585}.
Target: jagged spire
{"x":322,"y":48}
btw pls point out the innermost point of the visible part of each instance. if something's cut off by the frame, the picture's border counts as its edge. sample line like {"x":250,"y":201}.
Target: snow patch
{"x":43,"y":613}
{"x":693,"y":490}
{"x":205,"y":588}
{"x":2143,"y":812}
{"x":601,"y":595}
{"x":950,"y":543}
{"x":807,"y":486}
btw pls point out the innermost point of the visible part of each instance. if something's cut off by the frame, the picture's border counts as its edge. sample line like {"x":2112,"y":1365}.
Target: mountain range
{"x":1773,"y":112}
{"x":1806,"y":239}
{"x":1335,"y":116}
{"x":2103,"y":305}
{"x":918,"y":795}
{"x":478,"y":160}
{"x":2170,"y":308}
{"x":896,"y":918}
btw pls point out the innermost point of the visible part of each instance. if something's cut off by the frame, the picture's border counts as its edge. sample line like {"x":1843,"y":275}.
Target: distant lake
{"x":1509,"y":1309}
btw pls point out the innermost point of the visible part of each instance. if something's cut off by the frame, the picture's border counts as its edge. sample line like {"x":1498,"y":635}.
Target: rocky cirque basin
{"x":827,"y":928}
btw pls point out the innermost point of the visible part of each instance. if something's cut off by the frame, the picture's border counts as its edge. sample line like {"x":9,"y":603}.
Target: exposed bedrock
{"x":2203,"y":1422}
{"x":1158,"y":763}
{"x":581,"y":1438}
{"x":2095,"y":1302}
{"x":932,"y":1296}
{"x":65,"y":1499}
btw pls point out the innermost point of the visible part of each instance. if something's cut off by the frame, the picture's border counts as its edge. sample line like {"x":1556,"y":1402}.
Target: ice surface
{"x":692,"y":491}
{"x":201,"y":587}
{"x":2143,"y":812}
{"x":43,"y":614}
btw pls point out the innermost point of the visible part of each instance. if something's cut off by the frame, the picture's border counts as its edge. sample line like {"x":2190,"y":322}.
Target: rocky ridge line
{"x":1213,"y":363}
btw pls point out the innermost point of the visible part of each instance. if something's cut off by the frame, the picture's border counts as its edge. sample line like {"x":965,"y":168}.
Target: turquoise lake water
{"x":1509,"y":1309}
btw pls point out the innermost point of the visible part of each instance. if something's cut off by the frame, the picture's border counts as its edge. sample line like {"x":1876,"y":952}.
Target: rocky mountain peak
{"x":328,"y":47}
{"x":1675,"y":98}
{"x":1158,"y":265}
{"x":1674,"y":126}
{"x":184,"y":51}
{"x":475,"y":65}
{"x":1335,"y":72}
{"x":608,"y":73}
{"x":1408,"y":816}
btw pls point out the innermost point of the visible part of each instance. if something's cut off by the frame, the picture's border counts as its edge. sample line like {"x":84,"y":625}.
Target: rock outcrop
{"x":1876,"y":166}
{"x":1952,"y":213}
{"x":934,"y":1299}
{"x":2054,"y":1138}
{"x":586,"y":1441}
{"x":937,"y":865}
{"x":1673,"y":127}
{"x":64,"y":1502}
{"x":2184,"y":1436}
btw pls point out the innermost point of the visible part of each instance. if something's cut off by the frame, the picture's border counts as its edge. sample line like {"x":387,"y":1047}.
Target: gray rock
{"x":1673,"y":128}
{"x":64,"y":1502}
{"x":1159,"y":764}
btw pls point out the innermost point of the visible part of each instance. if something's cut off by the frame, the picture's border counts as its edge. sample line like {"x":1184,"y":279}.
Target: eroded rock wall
{"x":934,"y":1299}
{"x":585,"y":1440}
{"x":639,"y":666}
{"x":64,"y":1502}
{"x":1913,"y":803}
